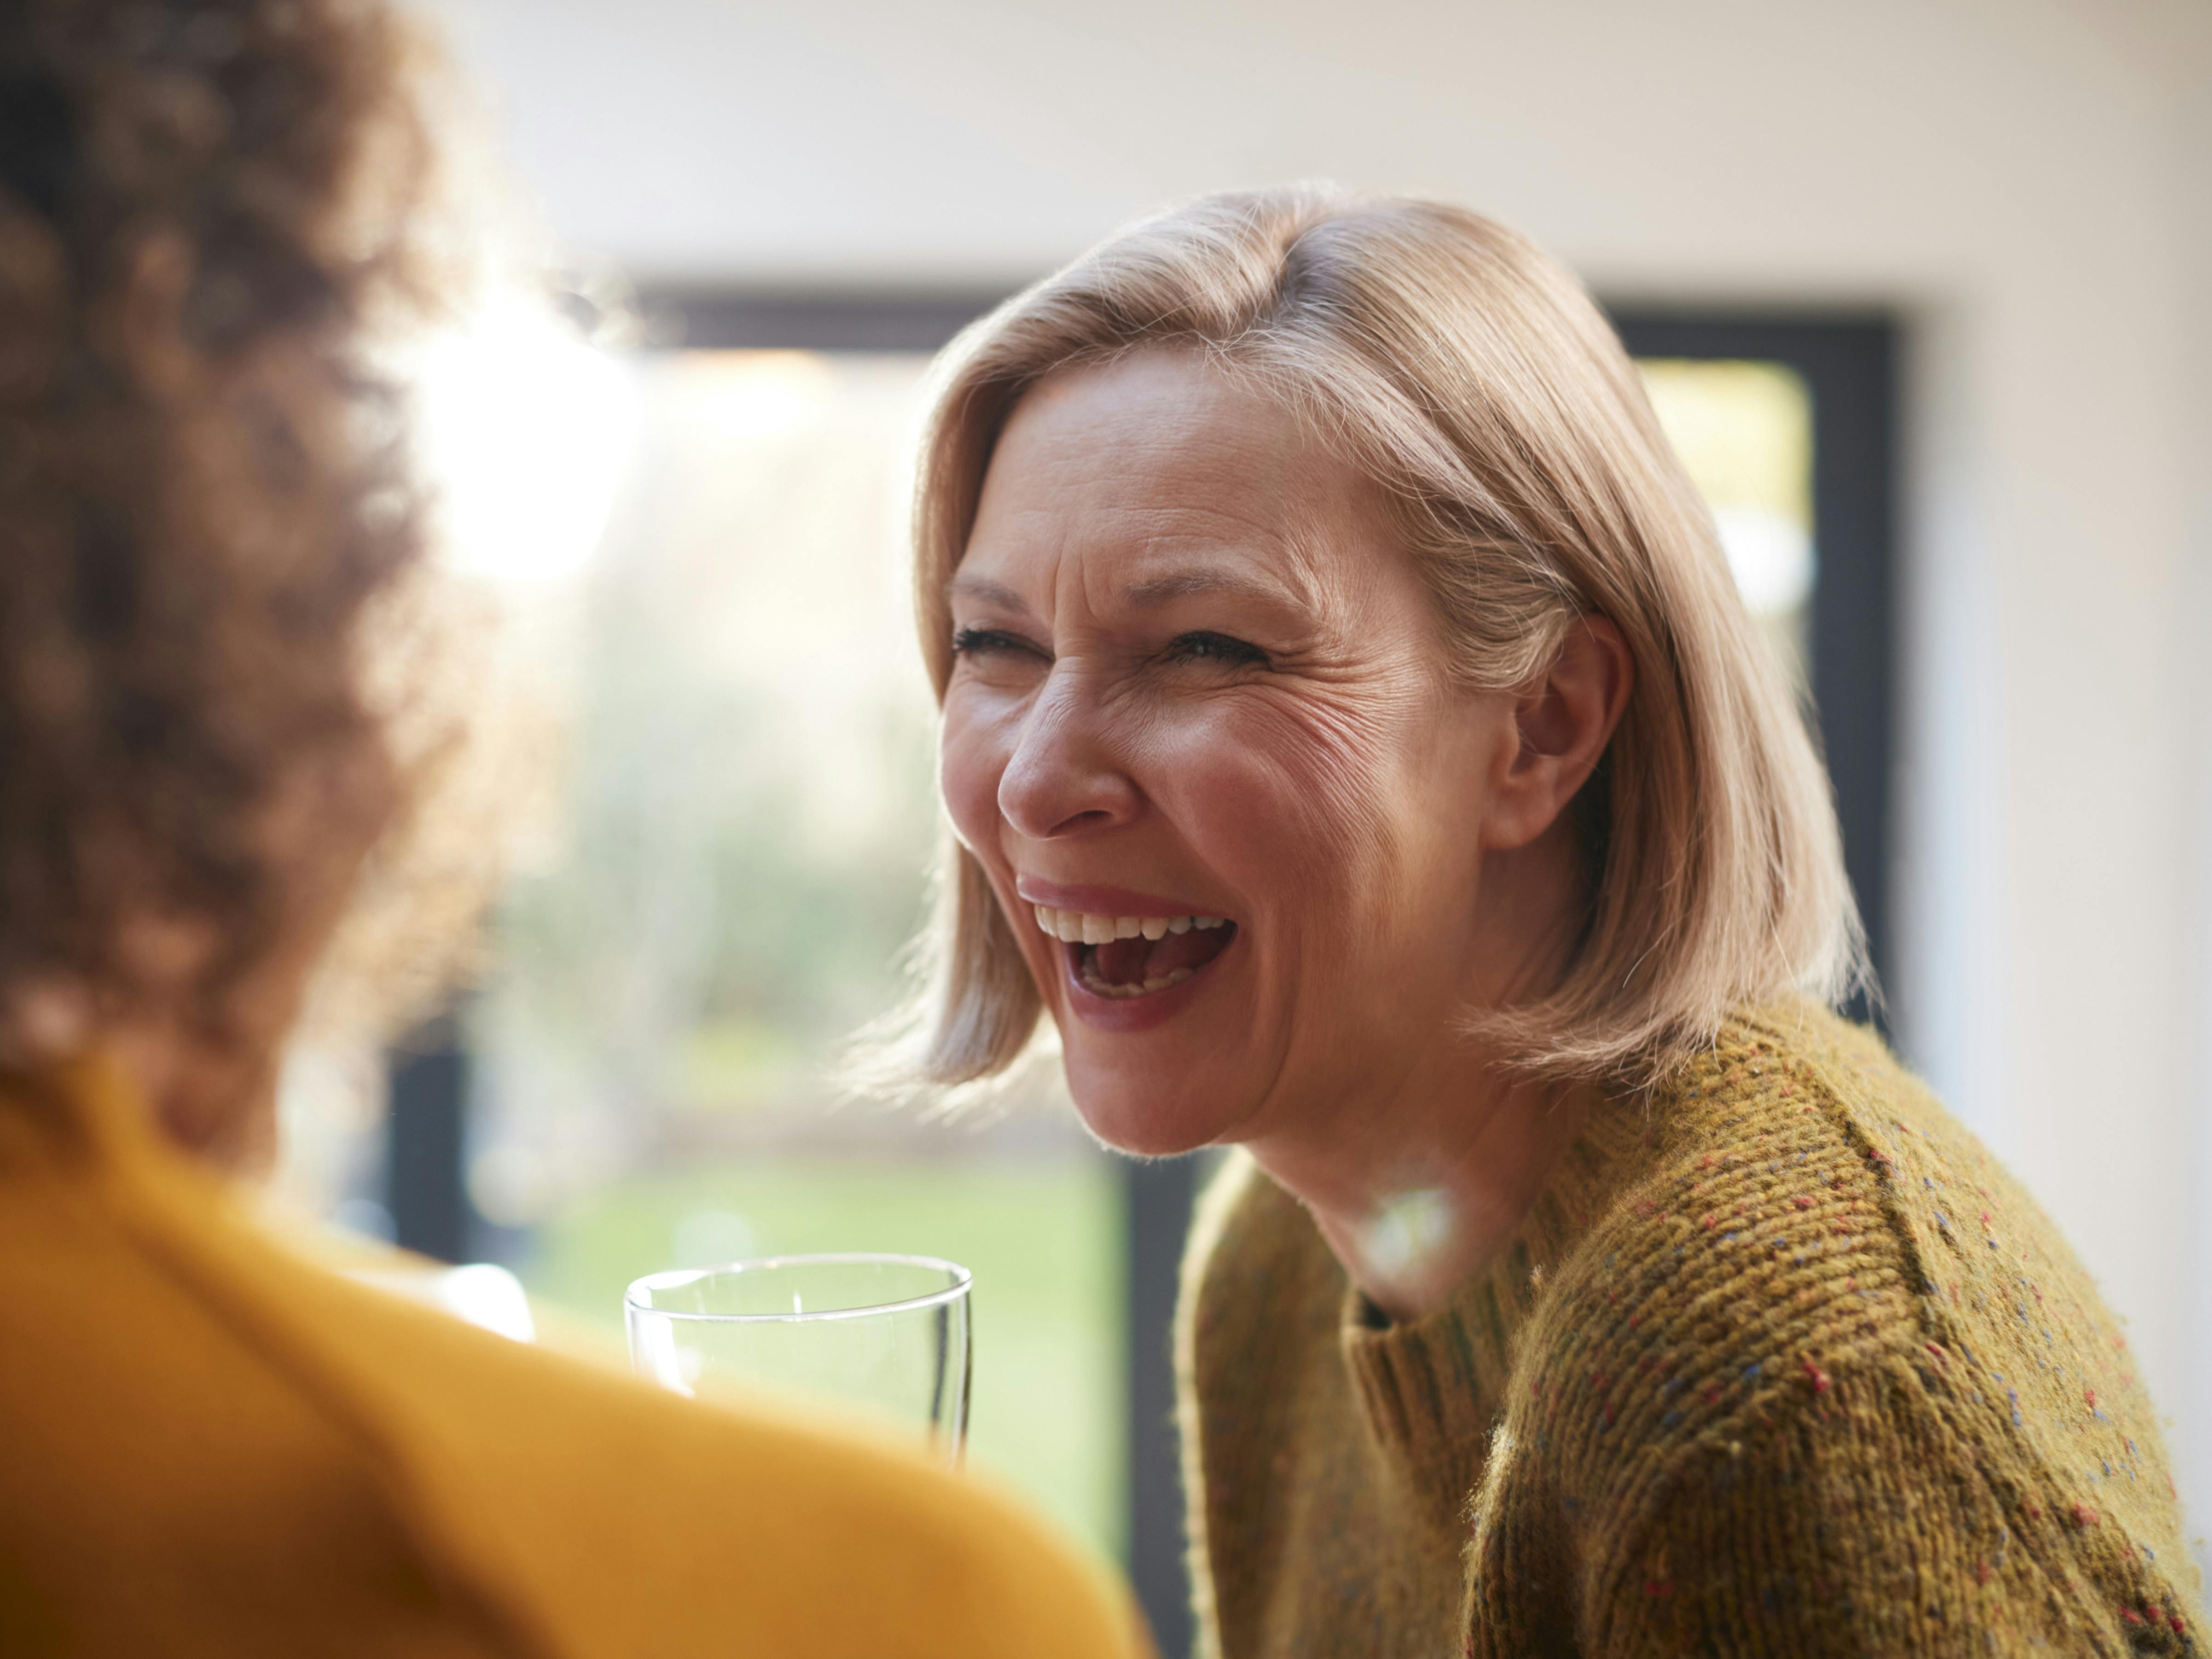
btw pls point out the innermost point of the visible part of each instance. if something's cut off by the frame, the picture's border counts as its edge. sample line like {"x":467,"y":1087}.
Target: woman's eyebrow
{"x":988,"y":592}
{"x":1165,"y":590}
{"x":1148,"y":594}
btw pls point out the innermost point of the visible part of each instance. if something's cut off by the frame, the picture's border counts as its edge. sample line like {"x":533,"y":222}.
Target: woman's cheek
{"x":971,"y":759}
{"x":1292,"y":790}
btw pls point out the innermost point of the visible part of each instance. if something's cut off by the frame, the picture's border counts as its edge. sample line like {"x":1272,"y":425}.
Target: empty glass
{"x":886,"y":1335}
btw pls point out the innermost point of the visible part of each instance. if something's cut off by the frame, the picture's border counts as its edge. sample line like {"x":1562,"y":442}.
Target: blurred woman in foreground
{"x":208,"y":217}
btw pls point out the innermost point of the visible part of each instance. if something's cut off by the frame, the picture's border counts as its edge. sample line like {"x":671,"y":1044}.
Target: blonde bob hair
{"x":1472,"y":378}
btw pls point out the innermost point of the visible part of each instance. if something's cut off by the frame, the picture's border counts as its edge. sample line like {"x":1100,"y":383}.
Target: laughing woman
{"x":1356,"y":745}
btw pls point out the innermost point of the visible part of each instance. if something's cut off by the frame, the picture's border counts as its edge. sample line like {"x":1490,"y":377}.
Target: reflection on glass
{"x":883,"y":1338}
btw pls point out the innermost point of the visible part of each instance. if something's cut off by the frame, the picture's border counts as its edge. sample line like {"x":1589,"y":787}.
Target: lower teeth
{"x":1107,"y":989}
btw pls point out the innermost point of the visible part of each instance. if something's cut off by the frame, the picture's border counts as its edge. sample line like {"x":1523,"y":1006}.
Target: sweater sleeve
{"x":1874,"y":1512}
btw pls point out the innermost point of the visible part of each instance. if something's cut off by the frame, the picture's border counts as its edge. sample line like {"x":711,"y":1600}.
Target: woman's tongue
{"x":1134,"y":961}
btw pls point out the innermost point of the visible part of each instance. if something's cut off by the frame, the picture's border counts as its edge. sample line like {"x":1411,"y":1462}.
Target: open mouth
{"x":1128,"y":957}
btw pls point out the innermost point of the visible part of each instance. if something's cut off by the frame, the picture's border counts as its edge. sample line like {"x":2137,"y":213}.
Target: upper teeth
{"x":1081,"y":927}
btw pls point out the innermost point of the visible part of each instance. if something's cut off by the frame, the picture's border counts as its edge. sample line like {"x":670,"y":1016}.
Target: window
{"x":1847,"y":365}
{"x":1744,"y":430}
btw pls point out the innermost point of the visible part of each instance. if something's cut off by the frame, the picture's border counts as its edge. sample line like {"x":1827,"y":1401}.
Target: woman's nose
{"x":1066,"y":776}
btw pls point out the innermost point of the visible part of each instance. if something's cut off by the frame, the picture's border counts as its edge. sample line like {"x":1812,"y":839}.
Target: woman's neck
{"x":1435,"y":1185}
{"x":1419,"y":1183}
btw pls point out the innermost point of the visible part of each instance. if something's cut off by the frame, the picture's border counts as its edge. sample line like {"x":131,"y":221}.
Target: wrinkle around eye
{"x":974,"y":644}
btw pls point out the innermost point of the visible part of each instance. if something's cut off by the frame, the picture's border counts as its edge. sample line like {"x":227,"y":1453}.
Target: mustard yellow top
{"x":213,"y":1447}
{"x":1781,"y":1363}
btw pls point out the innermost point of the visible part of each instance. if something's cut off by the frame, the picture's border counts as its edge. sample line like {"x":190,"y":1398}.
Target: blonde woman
{"x":212,"y":1447}
{"x":1357,"y":747}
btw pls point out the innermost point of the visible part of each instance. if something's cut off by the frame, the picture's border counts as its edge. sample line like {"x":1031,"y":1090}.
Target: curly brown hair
{"x":206,"y":223}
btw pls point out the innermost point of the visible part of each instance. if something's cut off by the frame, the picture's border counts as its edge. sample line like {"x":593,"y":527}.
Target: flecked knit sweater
{"x":1781,"y":1362}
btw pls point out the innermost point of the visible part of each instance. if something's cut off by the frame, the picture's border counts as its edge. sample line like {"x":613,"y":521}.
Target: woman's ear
{"x":1564,"y":718}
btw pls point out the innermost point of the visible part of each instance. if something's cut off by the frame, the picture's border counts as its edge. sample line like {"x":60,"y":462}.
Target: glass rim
{"x":962,"y":1280}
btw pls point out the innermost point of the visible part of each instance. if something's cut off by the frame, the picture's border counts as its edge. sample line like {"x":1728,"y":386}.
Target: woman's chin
{"x":1147,"y":1123}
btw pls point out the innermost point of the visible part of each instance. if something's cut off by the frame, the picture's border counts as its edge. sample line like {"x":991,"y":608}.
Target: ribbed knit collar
{"x":1432,"y":1387}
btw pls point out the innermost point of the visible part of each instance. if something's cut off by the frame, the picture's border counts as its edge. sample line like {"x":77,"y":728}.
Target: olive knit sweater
{"x":1781,"y":1362}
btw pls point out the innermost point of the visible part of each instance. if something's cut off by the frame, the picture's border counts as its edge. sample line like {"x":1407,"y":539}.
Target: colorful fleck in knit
{"x":1783,"y":1364}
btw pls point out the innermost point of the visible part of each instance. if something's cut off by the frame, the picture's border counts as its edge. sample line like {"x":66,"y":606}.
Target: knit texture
{"x":1780,"y":1362}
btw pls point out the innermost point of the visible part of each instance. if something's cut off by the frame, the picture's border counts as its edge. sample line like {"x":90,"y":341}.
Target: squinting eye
{"x":1214,"y":647}
{"x":987,"y":641}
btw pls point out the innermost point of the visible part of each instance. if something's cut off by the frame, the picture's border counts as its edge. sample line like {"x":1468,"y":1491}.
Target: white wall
{"x":2030,"y":181}
{"x":2192,"y":138}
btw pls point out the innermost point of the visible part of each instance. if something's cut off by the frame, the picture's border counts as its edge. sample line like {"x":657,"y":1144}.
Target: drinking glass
{"x":886,"y":1335}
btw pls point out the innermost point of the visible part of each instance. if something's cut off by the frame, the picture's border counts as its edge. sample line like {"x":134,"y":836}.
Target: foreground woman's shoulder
{"x":1821,"y":1365}
{"x":279,"y":1460}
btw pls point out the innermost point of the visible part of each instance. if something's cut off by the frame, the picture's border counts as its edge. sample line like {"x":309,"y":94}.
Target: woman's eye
{"x":1214,"y":647}
{"x":987,"y":641}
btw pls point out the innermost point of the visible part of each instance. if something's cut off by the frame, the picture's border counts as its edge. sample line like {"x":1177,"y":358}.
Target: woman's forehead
{"x":1181,"y":412}
{"x":1161,"y":478}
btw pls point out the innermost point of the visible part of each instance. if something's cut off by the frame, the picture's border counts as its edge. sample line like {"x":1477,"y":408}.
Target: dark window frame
{"x":1849,"y":363}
